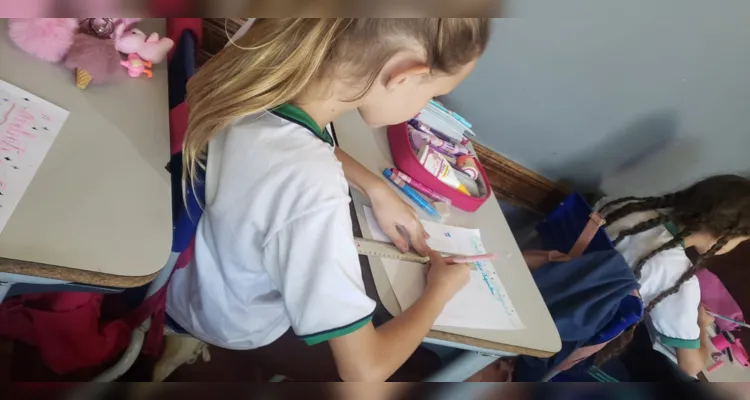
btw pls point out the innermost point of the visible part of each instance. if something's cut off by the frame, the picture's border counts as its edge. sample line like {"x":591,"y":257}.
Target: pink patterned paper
{"x":28,"y":127}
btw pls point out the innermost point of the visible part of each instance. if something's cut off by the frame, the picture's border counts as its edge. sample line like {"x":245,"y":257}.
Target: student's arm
{"x":356,"y":173}
{"x":371,"y":354}
{"x":314,"y":264}
{"x":680,"y":324}
{"x":390,"y":210}
{"x":692,"y":361}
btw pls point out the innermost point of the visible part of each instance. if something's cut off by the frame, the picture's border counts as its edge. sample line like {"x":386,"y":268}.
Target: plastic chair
{"x":185,"y":216}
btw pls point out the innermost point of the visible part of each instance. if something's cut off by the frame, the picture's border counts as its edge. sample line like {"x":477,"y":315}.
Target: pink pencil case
{"x":407,"y":162}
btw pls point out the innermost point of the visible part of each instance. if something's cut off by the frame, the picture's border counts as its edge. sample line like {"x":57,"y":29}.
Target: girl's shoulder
{"x":615,"y":227}
{"x":262,"y":154}
{"x":663,"y":269}
{"x":271,"y":140}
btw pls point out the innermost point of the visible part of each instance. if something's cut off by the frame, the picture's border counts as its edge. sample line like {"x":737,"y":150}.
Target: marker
{"x":438,"y":144}
{"x":419,"y":186}
{"x":411,"y":193}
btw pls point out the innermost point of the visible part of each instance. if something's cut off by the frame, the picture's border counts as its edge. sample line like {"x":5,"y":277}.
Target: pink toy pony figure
{"x":134,"y":41}
{"x":137,"y":66}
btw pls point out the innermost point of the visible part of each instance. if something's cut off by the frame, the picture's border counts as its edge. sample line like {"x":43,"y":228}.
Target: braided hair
{"x":718,"y":205}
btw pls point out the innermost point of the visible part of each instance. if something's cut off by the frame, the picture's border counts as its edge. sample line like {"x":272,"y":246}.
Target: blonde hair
{"x":276,"y":60}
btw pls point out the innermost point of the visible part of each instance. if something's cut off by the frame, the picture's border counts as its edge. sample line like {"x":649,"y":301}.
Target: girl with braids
{"x":652,"y":233}
{"x":274,"y":249}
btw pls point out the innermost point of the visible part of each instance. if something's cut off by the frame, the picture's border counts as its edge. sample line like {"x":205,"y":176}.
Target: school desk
{"x":98,"y":211}
{"x":540,"y":338}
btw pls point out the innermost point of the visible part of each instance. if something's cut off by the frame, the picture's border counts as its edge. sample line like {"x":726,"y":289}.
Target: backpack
{"x":589,"y":288}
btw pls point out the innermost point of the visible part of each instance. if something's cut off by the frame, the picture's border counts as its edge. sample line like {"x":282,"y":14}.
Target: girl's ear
{"x":402,"y":75}
{"x":403,"y":68}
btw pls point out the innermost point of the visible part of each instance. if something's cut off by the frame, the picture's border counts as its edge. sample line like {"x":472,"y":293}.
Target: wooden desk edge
{"x":486,"y":344}
{"x":73,"y":275}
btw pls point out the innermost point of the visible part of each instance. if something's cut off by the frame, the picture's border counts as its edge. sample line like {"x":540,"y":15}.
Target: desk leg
{"x":463,"y":367}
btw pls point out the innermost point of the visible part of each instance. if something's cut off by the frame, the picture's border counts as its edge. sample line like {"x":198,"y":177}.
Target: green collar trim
{"x":295,"y":115}
{"x":672,"y":228}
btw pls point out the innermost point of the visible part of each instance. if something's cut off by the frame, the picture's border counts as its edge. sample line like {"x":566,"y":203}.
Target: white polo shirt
{"x":673,"y":322}
{"x":274,"y":247}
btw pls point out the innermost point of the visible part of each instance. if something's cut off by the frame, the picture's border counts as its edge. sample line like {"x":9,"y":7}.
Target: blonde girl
{"x":274,"y":249}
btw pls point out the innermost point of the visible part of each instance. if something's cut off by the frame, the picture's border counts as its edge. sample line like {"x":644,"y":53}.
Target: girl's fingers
{"x":396,"y":237}
{"x":416,"y":236}
{"x":450,"y":260}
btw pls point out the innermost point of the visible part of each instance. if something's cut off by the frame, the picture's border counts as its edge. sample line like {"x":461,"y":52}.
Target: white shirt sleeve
{"x":676,"y":317}
{"x":315,"y":264}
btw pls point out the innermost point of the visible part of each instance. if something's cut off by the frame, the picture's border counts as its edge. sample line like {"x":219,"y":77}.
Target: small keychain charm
{"x":137,"y":66}
{"x":103,"y":28}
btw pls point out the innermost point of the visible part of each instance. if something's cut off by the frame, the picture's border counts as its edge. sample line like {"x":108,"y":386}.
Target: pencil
{"x":728,"y":319}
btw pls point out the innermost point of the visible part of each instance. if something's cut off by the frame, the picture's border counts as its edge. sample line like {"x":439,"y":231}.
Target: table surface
{"x":98,"y":210}
{"x":540,"y":338}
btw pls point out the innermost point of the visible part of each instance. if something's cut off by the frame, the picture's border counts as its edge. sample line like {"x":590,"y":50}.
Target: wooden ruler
{"x":373,"y":248}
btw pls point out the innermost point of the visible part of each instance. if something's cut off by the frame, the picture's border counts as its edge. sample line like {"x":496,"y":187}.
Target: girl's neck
{"x":324,"y":109}
{"x":701,"y":241}
{"x":324,"y":112}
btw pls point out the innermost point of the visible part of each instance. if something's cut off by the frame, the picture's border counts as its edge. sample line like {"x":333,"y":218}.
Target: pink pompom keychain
{"x":48,"y":39}
{"x":93,"y":60}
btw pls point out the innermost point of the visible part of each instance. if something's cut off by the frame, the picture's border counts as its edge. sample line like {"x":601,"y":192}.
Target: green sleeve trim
{"x":681,"y":343}
{"x":600,"y":375}
{"x":338,"y":332}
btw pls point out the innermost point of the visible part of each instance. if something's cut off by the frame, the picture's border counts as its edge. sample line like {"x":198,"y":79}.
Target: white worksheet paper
{"x":28,"y":127}
{"x":482,"y":304}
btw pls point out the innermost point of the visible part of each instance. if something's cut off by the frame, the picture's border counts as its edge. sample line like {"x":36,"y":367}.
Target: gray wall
{"x":633,"y":97}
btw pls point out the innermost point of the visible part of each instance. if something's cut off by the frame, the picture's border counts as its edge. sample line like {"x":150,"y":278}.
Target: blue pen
{"x":411,"y":193}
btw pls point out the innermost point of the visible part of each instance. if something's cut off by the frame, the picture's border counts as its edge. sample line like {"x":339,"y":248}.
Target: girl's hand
{"x":394,"y":215}
{"x":704,"y":318}
{"x":445,"y":279}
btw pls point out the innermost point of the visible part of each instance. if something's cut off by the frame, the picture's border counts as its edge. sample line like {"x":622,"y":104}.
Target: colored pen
{"x":440,"y":145}
{"x":728,"y":319}
{"x":435,"y":137}
{"x":419,"y":186}
{"x":411,"y":193}
{"x":471,"y":259}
